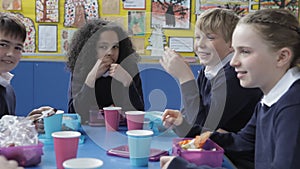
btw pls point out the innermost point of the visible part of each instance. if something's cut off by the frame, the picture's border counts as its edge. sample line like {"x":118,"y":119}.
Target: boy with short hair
{"x":12,"y":37}
{"x":220,"y":98}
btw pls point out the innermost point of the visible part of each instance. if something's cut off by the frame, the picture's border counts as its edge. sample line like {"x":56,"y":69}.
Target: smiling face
{"x":210,"y":47}
{"x":10,"y":52}
{"x":254,"y":61}
{"x":108,"y":45}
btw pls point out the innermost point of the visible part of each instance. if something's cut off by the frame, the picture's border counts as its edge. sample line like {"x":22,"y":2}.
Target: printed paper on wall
{"x":47,"y":11}
{"x":77,"y":12}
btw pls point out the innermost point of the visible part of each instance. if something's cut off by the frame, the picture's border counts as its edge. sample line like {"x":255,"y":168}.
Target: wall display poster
{"x":136,"y":22}
{"x":11,"y":4}
{"x":117,"y":19}
{"x":291,"y":5}
{"x":47,"y":38}
{"x":29,"y":44}
{"x":157,"y":40}
{"x":77,"y":12}
{"x":134,"y":4}
{"x":66,"y":37}
{"x":139,"y":45}
{"x":47,"y":11}
{"x":111,"y":7}
{"x":240,"y":7}
{"x":198,"y":7}
{"x":170,"y":14}
{"x":181,"y":44}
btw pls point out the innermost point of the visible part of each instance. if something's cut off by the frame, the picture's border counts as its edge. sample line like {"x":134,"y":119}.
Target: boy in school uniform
{"x":216,"y":100}
{"x":12,"y":36}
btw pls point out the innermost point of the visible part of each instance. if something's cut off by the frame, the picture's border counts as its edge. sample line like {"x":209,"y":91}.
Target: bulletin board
{"x":151,"y":24}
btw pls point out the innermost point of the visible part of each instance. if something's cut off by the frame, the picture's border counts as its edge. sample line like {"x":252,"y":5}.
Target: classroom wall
{"x":29,"y":10}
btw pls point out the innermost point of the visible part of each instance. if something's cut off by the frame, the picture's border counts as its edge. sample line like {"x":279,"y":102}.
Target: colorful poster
{"x":77,"y":12}
{"x":47,"y":11}
{"x":241,"y":7}
{"x":170,"y":14}
{"x":136,"y":23}
{"x":66,"y":37}
{"x":291,"y":5}
{"x":12,"y":4}
{"x":29,"y":44}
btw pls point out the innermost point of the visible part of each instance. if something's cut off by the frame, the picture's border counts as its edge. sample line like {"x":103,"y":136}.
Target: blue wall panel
{"x":23,"y":85}
{"x":51,"y":85}
{"x":40,"y":83}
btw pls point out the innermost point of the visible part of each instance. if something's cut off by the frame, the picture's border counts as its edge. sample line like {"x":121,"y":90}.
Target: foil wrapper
{"x":17,"y":131}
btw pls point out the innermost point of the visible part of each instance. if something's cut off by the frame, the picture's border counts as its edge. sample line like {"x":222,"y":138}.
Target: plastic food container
{"x":71,"y":122}
{"x":24,"y":155}
{"x":205,"y":157}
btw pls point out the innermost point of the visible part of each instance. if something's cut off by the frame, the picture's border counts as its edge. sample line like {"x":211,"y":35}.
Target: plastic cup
{"x":139,"y":143}
{"x":96,"y":118}
{"x":135,"y":120}
{"x":83,"y":163}
{"x":65,"y":146}
{"x":112,"y":118}
{"x":53,"y":123}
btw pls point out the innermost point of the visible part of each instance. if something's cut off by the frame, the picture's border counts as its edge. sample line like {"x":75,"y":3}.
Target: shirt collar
{"x":5,"y":79}
{"x":209,"y":74}
{"x":281,"y":87}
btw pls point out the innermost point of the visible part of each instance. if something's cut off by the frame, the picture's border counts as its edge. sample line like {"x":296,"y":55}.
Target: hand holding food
{"x":196,"y":143}
{"x":171,"y":117}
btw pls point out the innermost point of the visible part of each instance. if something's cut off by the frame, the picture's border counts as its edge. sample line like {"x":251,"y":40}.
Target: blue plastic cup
{"x":139,"y":143}
{"x":53,"y":123}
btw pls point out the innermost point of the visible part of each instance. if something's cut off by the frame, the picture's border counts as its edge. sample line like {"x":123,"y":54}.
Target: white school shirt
{"x":282,"y":86}
{"x":5,"y":79}
{"x":209,"y":74}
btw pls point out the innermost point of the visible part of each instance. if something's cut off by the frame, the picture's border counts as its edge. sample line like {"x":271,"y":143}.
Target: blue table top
{"x":98,"y":140}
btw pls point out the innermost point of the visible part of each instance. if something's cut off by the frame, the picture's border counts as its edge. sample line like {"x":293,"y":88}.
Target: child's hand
{"x":200,"y":140}
{"x":171,"y":117}
{"x":165,"y":161}
{"x":174,"y":64}
{"x":101,"y":66}
{"x":119,"y":73}
{"x":8,"y":164}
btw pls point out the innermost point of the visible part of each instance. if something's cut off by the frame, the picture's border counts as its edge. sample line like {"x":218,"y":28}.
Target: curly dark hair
{"x":84,"y":40}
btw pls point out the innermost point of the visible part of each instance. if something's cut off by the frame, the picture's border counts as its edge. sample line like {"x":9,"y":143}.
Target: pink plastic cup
{"x":112,"y":118}
{"x":65,"y":146}
{"x":135,"y":120}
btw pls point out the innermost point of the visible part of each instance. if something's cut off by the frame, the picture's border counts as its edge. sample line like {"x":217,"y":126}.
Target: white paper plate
{"x":83,"y":163}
